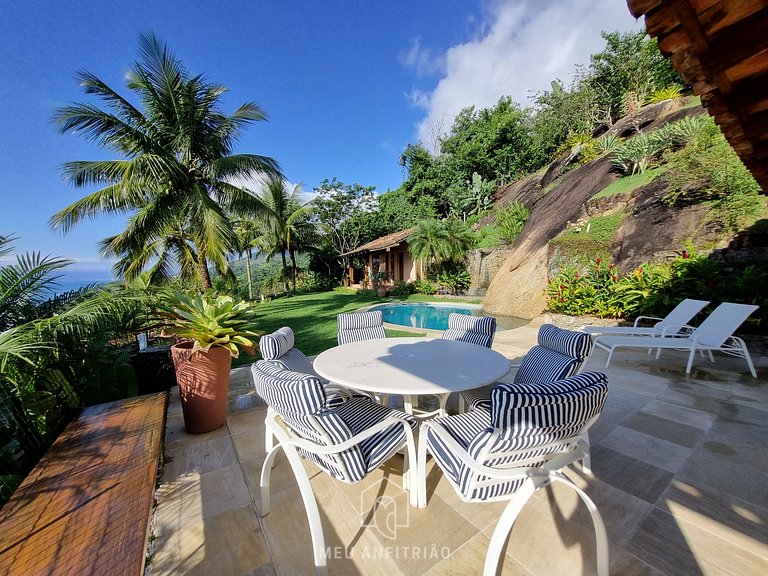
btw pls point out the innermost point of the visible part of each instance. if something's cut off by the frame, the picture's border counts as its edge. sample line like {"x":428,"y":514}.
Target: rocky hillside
{"x":575,"y":205}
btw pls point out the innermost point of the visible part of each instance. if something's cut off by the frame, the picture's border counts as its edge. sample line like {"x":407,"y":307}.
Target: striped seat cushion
{"x":360,"y":326}
{"x":526,"y":421}
{"x":273,"y":346}
{"x":559,"y":354}
{"x":301,"y":402}
{"x":567,"y":342}
{"x":478,"y":330}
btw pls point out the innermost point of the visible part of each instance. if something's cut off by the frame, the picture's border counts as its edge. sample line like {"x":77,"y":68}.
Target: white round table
{"x":411,"y":367}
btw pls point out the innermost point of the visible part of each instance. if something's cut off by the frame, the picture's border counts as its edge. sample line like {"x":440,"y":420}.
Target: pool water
{"x":418,"y":315}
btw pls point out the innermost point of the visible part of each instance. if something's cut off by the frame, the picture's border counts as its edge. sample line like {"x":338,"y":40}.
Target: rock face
{"x":651,"y":230}
{"x":484,"y":265}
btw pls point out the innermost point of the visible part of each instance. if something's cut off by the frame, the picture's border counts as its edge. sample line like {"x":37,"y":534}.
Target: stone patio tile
{"x":247,"y":422}
{"x":200,"y":453}
{"x":742,"y":422}
{"x":627,"y":564}
{"x":632,"y":476}
{"x":470,"y":559}
{"x":230,"y":543}
{"x":620,"y":404}
{"x":689,"y":416}
{"x":664,"y":429}
{"x":196,"y":496}
{"x":175,"y":434}
{"x":728,"y":517}
{"x":752,"y":456}
{"x":673,"y":545}
{"x":654,"y":451}
{"x":727,"y":473}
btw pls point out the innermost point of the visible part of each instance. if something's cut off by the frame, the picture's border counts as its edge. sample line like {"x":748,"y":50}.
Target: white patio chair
{"x":714,"y":333}
{"x":558,"y":354}
{"x":360,"y":326}
{"x":532,"y":432}
{"x":346,"y":441}
{"x":278,"y":348}
{"x":478,"y":330}
{"x":680,"y":315}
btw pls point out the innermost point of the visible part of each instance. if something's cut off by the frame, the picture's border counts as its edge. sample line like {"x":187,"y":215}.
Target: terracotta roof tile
{"x":388,"y":241}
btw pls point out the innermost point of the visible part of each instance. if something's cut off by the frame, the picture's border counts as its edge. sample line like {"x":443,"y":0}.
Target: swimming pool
{"x":423,"y":315}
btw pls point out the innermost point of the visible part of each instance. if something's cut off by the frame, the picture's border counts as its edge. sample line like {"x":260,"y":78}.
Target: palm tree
{"x":288,"y":221}
{"x":250,"y":235}
{"x":177,"y":164}
{"x":436,"y":241}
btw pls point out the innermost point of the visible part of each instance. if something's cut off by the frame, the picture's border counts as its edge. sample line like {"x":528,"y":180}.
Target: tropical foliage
{"x":176,"y":167}
{"x":58,"y":352}
{"x":210,"y":320}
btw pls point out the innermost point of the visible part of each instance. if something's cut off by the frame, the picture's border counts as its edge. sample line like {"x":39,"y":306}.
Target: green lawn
{"x":627,"y":184}
{"x":313,"y":317}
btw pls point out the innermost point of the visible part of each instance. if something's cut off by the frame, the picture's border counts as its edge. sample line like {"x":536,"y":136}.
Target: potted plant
{"x":211,"y":329}
{"x":378,"y":280}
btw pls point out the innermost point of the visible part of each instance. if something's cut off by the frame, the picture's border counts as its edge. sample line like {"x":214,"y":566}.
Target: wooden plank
{"x":639,"y":7}
{"x":724,"y":14}
{"x":753,"y":66}
{"x":737,"y":43}
{"x":85,"y":508}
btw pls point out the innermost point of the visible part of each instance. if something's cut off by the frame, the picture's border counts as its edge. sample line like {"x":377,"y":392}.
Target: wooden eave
{"x":720,"y":47}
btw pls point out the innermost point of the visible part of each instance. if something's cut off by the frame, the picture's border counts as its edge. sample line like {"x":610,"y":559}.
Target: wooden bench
{"x":85,"y":508}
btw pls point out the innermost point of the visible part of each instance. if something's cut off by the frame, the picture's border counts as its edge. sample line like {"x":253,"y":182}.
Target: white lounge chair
{"x":681,"y":315}
{"x":715,"y":333}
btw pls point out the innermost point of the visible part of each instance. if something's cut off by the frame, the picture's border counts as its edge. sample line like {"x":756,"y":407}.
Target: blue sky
{"x":347,"y":84}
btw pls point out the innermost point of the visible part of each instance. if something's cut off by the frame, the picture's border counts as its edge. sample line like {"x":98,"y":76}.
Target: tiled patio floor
{"x":680,"y":476}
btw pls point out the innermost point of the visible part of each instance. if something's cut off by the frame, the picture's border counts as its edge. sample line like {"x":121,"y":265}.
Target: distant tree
{"x":631,"y":62}
{"x":439,"y":241}
{"x":250,"y":238}
{"x":177,"y":164}
{"x":287,"y":221}
{"x":343,"y":213}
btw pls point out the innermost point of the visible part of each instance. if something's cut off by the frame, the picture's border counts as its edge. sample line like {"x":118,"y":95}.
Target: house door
{"x":401,"y":266}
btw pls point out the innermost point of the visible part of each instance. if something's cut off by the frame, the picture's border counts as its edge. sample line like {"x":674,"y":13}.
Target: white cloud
{"x":523,"y":45}
{"x":421,"y":59}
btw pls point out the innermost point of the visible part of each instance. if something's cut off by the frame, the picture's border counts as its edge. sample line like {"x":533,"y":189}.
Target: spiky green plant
{"x":210,"y":321}
{"x":671,"y":92}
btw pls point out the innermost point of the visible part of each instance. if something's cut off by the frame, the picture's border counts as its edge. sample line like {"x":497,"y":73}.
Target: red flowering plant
{"x":577,"y":290}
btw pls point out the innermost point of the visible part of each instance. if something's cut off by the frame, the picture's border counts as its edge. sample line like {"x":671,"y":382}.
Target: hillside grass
{"x":312,"y":317}
{"x":628,"y":184}
{"x":597,"y":241}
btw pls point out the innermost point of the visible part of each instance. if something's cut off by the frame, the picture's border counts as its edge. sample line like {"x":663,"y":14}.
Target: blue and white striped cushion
{"x":544,"y":365}
{"x":478,"y":330}
{"x":530,"y":418}
{"x":567,"y":342}
{"x":360,"y":326}
{"x":273,"y":346}
{"x":300,"y":401}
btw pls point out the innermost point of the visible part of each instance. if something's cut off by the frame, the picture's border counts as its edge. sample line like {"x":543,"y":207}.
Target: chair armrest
{"x":637,"y":320}
{"x":340,"y":390}
{"x":315,"y":448}
{"x":675,"y":330}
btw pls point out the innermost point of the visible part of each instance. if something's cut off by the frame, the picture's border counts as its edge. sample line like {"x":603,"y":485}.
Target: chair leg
{"x":444,"y":402}
{"x":743,"y":346}
{"x":586,"y":462}
{"x":307,"y":495}
{"x":601,"y":536}
{"x":504,"y":527}
{"x":691,"y":356}
{"x":421,"y":469}
{"x":266,"y":476}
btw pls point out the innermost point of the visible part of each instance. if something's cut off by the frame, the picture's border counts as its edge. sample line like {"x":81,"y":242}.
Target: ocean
{"x":69,"y":281}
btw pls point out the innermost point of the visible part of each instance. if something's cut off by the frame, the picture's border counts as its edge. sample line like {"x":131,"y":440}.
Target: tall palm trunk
{"x":202,"y":269}
{"x":285,"y":270}
{"x":294,"y":269}
{"x":248,"y":273}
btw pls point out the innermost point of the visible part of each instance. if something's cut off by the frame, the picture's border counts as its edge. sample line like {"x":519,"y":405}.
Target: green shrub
{"x":510,"y":220}
{"x":424,"y":287}
{"x":671,"y":92}
{"x":637,"y":154}
{"x":707,"y":169}
{"x":591,"y":240}
{"x":581,"y":291}
{"x":454,"y":277}
{"x":402,"y":289}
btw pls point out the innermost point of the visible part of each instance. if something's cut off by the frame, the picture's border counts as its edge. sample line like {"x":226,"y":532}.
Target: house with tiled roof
{"x":388,"y":255}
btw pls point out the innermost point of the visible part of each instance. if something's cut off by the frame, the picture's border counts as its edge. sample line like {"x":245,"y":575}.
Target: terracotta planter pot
{"x":203,"y":379}
{"x":381,"y":291}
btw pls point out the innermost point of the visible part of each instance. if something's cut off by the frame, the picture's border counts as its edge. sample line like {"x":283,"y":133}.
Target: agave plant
{"x":211,"y":321}
{"x":634,"y":156}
